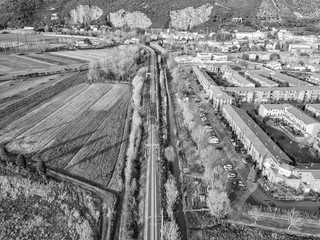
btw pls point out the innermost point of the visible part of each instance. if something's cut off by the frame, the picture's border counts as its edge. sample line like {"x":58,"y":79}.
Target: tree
{"x":218,"y":202}
{"x":255,"y":212}
{"x":170,"y":231}
{"x":171,"y":194}
{"x":198,"y":135}
{"x":4,"y":156}
{"x":21,"y":161}
{"x":41,"y":167}
{"x":169,"y":153}
{"x":252,"y":175}
{"x":293,"y":217}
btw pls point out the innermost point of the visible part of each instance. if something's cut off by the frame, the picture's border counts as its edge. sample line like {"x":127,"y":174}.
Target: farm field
{"x":9,"y":37}
{"x":79,"y":131}
{"x":54,"y":59}
{"x":33,"y":100}
{"x":86,"y":55}
{"x":12,"y":91}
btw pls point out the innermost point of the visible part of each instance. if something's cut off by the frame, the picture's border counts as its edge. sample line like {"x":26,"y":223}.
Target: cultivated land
{"x":86,"y":55}
{"x":80,"y":131}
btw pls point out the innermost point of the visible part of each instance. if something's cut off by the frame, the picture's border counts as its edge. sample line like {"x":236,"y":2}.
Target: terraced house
{"x":236,"y":79}
{"x":263,"y":81}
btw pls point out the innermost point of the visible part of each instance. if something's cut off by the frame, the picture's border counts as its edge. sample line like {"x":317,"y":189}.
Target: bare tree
{"x":169,"y":153}
{"x":4,"y":155}
{"x":171,"y":194}
{"x":217,"y":202}
{"x":170,"y":231}
{"x":293,"y":217}
{"x":21,"y":161}
{"x":255,"y":212}
{"x":198,"y":134}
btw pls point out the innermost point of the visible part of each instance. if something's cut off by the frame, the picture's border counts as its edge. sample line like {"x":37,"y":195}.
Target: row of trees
{"x":120,"y":65}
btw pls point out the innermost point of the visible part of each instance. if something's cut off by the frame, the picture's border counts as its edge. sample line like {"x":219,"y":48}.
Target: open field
{"x":13,"y":62}
{"x":80,"y":131}
{"x":31,"y":101}
{"x":86,"y":55}
{"x":15,"y":90}
{"x":9,"y":37}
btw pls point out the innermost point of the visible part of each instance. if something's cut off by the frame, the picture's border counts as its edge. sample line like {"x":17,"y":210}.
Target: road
{"x":152,"y":219}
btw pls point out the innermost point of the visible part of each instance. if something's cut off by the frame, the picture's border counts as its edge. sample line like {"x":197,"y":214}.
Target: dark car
{"x":219,"y":148}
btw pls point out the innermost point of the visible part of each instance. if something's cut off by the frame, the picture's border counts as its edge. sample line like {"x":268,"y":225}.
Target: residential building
{"x":282,"y":78}
{"x":274,"y":65}
{"x":204,"y":56}
{"x":204,"y":79}
{"x":314,"y":109}
{"x":284,"y":35}
{"x":272,"y":94}
{"x":252,"y":56}
{"x":307,"y":48}
{"x":236,"y":79}
{"x":220,"y":98}
{"x":315,"y":78}
{"x":219,"y":57}
{"x":257,"y":143}
{"x":250,"y":35}
{"x":264,"y":56}
{"x":310,"y":177}
{"x":292,"y":114}
{"x":263,"y":81}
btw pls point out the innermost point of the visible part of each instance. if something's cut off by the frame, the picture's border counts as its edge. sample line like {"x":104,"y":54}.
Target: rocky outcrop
{"x":123,"y":18}
{"x":85,"y":14}
{"x":190,"y":17}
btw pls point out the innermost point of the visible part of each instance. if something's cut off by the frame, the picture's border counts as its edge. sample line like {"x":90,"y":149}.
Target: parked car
{"x":227,"y":167}
{"x":231,"y":175}
{"x":219,"y":148}
{"x":231,"y":139}
{"x":213,"y":140}
{"x":234,"y":144}
{"x":203,"y":119}
{"x":244,"y":160}
{"x":201,"y":115}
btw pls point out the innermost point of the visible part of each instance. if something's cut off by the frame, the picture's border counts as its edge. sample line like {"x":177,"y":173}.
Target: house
{"x":263,"y":81}
{"x":250,"y":35}
{"x":264,"y":56}
{"x":252,"y":56}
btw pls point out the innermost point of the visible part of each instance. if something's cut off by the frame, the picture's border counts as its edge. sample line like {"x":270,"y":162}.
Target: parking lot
{"x":232,"y":161}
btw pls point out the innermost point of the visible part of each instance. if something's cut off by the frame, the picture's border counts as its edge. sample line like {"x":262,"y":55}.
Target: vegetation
{"x":42,"y":208}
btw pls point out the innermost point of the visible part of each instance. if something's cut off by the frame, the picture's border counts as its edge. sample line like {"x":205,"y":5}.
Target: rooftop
{"x":285,"y":78}
{"x":219,"y":94}
{"x":261,"y":78}
{"x":256,"y":135}
{"x":300,"y":88}
{"x":301,"y":115}
{"x":315,"y":106}
{"x":314,"y":172}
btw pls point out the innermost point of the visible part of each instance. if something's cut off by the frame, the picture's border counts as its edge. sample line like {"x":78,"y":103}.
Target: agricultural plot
{"x":12,"y":91}
{"x":79,"y":131}
{"x":86,"y":55}
{"x":54,"y":59}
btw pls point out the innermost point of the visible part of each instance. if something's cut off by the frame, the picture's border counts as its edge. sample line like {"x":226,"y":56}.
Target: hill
{"x":183,"y":14}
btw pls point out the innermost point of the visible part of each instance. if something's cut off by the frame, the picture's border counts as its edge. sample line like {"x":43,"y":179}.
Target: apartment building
{"x":250,"y":35}
{"x":263,"y":81}
{"x":220,"y":98}
{"x":236,"y":79}
{"x":315,"y":78}
{"x":314,"y":109}
{"x":282,"y":78}
{"x":204,"y":79}
{"x":258,"y":144}
{"x":271,"y":94}
{"x":299,"y":48}
{"x":274,"y":65}
{"x":293,"y":114}
{"x":204,"y":56}
{"x":219,"y":57}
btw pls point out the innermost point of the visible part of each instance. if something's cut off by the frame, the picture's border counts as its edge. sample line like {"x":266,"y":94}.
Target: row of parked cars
{"x":233,"y":176}
{"x":213,"y":139}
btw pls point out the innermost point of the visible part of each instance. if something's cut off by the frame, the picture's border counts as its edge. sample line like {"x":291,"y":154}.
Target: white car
{"x":241,"y":183}
{"x":244,"y":160}
{"x":203,"y":119}
{"x":213,"y":140}
{"x":227,"y":167}
{"x":231,"y":175}
{"x":234,"y":144}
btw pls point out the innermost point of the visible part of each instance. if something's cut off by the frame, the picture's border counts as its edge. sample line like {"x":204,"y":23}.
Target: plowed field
{"x":79,"y":131}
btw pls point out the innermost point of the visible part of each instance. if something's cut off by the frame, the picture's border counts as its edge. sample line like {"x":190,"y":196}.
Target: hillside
{"x":160,"y":13}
